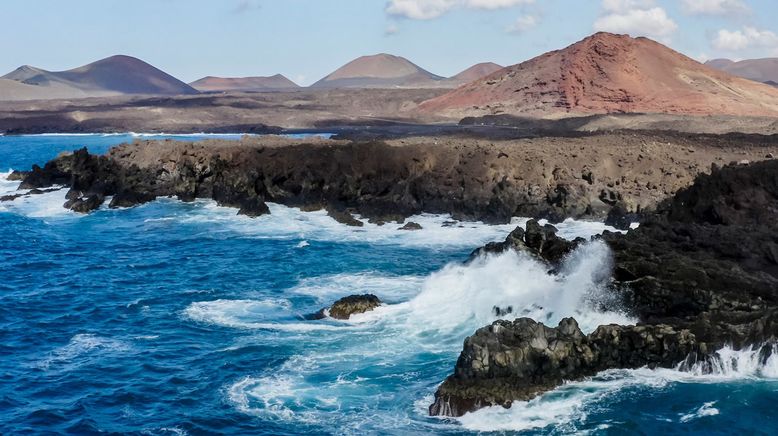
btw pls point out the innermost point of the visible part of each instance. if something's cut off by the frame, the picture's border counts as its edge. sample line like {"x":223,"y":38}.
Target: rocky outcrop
{"x":381,"y":181}
{"x":538,"y":241}
{"x":352,"y":305}
{"x":700,"y":273}
{"x":411,"y":226}
{"x":518,"y":360}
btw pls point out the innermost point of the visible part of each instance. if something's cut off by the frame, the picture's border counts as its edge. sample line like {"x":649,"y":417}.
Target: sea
{"x":185,"y":319}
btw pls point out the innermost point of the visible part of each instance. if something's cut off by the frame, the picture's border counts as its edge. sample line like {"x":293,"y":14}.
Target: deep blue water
{"x":176,"y":318}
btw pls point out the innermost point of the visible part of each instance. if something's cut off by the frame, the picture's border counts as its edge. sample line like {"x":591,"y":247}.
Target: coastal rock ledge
{"x":699,"y":274}
{"x":519,"y":360}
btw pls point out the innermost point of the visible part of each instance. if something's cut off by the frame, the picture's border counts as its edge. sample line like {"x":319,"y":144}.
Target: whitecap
{"x":82,"y":345}
{"x":706,"y":409}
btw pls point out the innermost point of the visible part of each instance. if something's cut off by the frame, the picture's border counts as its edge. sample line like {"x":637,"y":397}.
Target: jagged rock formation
{"x":538,"y":241}
{"x":386,"y":181}
{"x":699,"y":274}
{"x":509,"y":361}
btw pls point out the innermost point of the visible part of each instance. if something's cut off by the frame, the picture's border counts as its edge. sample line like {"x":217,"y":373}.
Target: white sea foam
{"x":461,"y":297}
{"x":706,"y":409}
{"x":44,"y":205}
{"x":249,"y":314}
{"x":438,"y":230}
{"x":729,"y":364}
{"x":328,"y":288}
{"x":438,"y":311}
{"x":79,"y":346}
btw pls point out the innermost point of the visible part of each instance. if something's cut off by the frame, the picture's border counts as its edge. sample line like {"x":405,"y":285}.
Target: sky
{"x":307,"y":39}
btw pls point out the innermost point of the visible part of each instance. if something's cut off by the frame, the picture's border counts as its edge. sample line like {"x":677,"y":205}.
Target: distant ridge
{"x":476,"y":72}
{"x":380,"y":71}
{"x":761,"y":70}
{"x":115,"y":75}
{"x":607,"y":73}
{"x":257,"y":83}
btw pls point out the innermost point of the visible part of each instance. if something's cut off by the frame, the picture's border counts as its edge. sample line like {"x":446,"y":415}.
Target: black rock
{"x":85,"y":204}
{"x":131,"y":199}
{"x":344,"y":217}
{"x":353,"y":304}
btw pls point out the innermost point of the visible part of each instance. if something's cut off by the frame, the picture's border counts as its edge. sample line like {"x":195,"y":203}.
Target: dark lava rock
{"x":344,"y":217}
{"x":538,"y":241}
{"x":353,"y":304}
{"x":10,"y":197}
{"x":699,"y":274}
{"x":85,"y":204}
{"x":253,"y":208}
{"x":17,"y":176}
{"x":131,"y":199}
{"x":411,"y":226}
{"x":519,"y":360}
{"x":619,"y":218}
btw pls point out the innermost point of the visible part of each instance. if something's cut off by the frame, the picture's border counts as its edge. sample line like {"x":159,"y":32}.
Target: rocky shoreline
{"x":471,"y":178}
{"x":699,"y":273}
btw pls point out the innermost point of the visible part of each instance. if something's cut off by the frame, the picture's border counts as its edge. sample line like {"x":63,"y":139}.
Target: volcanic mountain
{"x":761,"y":70}
{"x":607,"y":73}
{"x":476,"y":72}
{"x":380,"y":71}
{"x":116,"y":75}
{"x":259,"y":83}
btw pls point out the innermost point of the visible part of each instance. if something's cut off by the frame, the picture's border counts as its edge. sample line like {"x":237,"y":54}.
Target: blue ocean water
{"x":175,"y":318}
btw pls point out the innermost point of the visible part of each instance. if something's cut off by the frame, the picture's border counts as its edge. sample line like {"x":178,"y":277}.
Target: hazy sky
{"x":307,"y":39}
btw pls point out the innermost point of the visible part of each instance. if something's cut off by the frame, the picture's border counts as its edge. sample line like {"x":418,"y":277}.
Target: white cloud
{"x":636,"y":18}
{"x":429,"y":9}
{"x":748,"y":37}
{"x":391,"y":29}
{"x":622,"y":6}
{"x":523,"y":24}
{"x":714,"y":7}
{"x":496,"y":4}
{"x":420,"y":9}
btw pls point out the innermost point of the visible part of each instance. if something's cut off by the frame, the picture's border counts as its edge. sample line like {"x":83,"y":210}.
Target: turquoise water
{"x":176,"y":318}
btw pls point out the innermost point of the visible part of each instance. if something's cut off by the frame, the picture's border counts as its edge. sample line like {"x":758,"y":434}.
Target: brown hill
{"x":116,"y":75}
{"x":607,"y":73}
{"x":761,"y":70}
{"x":476,"y":72}
{"x":380,"y":71}
{"x":216,"y":84}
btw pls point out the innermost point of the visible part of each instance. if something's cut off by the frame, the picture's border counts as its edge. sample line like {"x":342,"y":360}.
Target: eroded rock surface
{"x":352,"y":305}
{"x":699,"y":274}
{"x":579,"y":176}
{"x":518,"y":360}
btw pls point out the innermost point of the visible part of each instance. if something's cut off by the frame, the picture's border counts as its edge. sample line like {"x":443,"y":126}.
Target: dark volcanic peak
{"x":380,"y":71}
{"x":607,"y":73}
{"x":127,"y":75}
{"x":761,"y":70}
{"x":115,"y":75}
{"x":257,"y":83}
